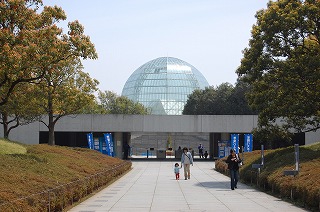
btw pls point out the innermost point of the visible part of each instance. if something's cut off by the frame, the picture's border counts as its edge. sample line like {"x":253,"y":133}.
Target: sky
{"x":208,"y":34}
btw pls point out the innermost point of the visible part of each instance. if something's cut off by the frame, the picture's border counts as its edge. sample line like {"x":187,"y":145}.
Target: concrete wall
{"x":145,"y":123}
{"x":28,"y":134}
{"x":157,"y":123}
{"x":312,"y":137}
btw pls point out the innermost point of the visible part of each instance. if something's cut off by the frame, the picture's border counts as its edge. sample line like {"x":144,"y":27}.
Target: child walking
{"x":177,"y":171}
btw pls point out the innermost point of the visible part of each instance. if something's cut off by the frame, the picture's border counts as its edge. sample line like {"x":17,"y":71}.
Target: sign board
{"x":248,"y":143}
{"x":109,"y":144}
{"x":234,"y":142}
{"x":223,"y":148}
{"x":90,"y":140}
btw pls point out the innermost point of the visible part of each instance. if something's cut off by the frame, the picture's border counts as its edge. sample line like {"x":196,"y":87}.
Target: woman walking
{"x":186,"y":160}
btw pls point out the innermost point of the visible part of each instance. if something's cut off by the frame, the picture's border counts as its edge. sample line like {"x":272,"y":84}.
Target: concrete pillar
{"x":211,"y":146}
{"x":126,"y":138}
{"x":214,"y":149}
{"x":118,"y":144}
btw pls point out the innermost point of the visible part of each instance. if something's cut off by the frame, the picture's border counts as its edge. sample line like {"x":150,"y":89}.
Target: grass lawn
{"x":30,"y":175}
{"x":11,"y":148}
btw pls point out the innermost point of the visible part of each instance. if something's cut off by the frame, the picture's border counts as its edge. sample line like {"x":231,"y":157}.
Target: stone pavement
{"x":151,"y":186}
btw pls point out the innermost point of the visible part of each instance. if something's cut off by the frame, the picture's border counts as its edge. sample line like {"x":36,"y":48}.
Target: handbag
{"x":239,"y":161}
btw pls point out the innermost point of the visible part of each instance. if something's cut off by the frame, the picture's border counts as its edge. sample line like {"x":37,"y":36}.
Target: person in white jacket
{"x":186,"y":160}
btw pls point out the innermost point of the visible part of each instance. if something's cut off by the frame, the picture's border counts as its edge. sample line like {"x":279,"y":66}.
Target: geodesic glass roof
{"x":163,"y":85}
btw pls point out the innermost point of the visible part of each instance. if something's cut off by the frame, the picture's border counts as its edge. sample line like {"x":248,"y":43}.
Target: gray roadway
{"x":151,"y":186}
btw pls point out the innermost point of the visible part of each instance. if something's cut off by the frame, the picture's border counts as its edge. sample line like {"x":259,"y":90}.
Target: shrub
{"x":303,"y":189}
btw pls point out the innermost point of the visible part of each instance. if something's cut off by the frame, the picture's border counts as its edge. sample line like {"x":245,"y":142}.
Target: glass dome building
{"x":163,"y":85}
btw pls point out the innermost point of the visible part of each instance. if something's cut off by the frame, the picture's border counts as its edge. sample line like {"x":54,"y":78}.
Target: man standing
{"x":200,"y":148}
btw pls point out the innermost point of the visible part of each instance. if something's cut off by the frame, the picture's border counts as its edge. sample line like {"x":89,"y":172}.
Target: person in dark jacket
{"x":233,"y":161}
{"x":200,"y":148}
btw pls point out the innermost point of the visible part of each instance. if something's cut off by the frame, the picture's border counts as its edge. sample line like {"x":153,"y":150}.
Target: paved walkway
{"x":151,"y":186}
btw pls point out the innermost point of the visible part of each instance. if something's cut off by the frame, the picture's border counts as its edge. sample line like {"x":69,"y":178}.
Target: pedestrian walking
{"x":186,"y":161}
{"x":233,"y":161}
{"x":177,"y":171}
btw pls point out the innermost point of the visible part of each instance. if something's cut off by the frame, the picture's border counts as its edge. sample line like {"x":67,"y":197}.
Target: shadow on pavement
{"x":219,"y":185}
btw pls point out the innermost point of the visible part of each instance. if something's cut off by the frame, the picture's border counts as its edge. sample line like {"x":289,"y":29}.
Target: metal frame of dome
{"x":163,"y":85}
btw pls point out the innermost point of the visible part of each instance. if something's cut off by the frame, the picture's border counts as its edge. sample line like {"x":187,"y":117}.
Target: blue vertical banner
{"x":109,"y":142}
{"x":234,"y":142}
{"x":248,"y":143}
{"x":90,"y":140}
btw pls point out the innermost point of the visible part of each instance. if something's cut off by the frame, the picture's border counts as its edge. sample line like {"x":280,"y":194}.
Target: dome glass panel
{"x":163,"y":85}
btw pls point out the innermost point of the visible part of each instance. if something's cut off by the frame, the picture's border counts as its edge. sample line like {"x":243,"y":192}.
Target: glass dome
{"x":163,"y":85}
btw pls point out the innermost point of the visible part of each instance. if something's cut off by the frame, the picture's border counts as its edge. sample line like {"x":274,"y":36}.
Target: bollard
{"x":262,"y":155}
{"x":259,"y":166}
{"x":296,"y":151}
{"x":296,"y":171}
{"x":242,"y":159}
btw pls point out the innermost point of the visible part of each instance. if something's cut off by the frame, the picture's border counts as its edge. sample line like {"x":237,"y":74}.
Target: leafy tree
{"x":31,"y":43}
{"x":93,"y":107}
{"x":107,"y":100}
{"x":220,"y":105}
{"x":199,"y":102}
{"x":282,"y":65}
{"x":222,"y":100}
{"x":237,"y":103}
{"x":64,"y":90}
{"x":32,"y":48}
{"x":114,"y":104}
{"x":19,"y":109}
{"x":272,"y":137}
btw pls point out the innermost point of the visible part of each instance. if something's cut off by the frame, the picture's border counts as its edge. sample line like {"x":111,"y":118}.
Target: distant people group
{"x":233,"y":162}
{"x":201,"y":154}
{"x":187,"y":161}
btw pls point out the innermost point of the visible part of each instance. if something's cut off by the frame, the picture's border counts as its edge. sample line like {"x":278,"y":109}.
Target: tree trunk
{"x":51,"y":123}
{"x":5,"y":125}
{"x":14,"y":123}
{"x":51,"y":140}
